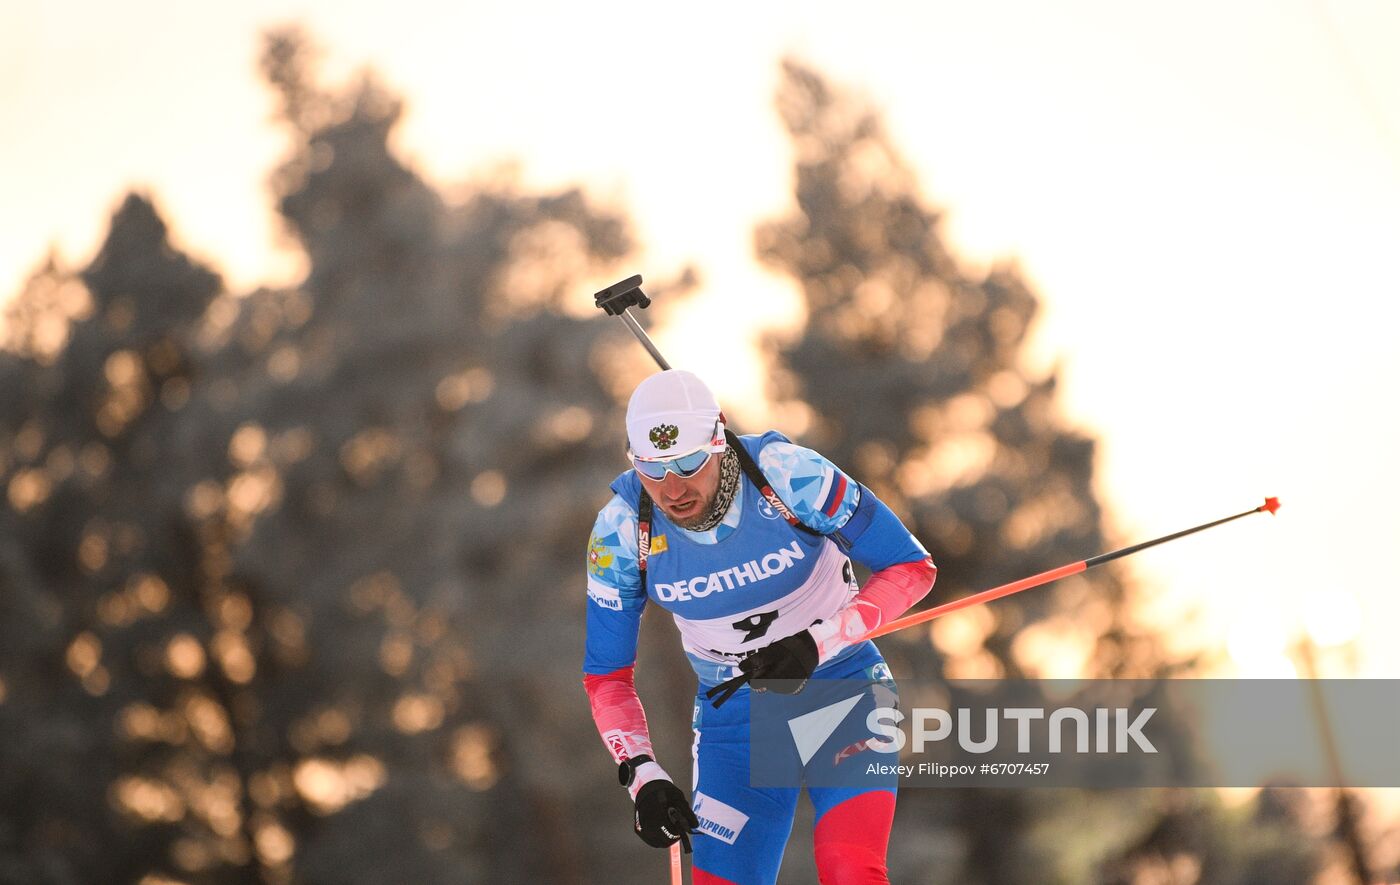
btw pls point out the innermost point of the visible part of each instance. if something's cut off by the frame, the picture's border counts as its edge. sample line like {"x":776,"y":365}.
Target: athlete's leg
{"x":743,"y":829}
{"x":852,"y":835}
{"x":853,"y":823}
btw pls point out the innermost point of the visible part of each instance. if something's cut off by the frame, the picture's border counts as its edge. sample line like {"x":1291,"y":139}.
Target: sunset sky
{"x":1205,"y":196}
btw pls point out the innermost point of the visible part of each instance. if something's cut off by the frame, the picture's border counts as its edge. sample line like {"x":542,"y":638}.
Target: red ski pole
{"x":1270,"y":505}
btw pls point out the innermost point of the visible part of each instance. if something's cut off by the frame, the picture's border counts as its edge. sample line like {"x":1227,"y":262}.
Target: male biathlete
{"x":760,"y":584}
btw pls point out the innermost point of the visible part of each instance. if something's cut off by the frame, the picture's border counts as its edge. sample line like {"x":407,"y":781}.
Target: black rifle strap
{"x":643,"y":536}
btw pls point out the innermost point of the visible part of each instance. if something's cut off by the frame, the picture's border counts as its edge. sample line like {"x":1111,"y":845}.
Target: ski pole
{"x":1270,"y":505}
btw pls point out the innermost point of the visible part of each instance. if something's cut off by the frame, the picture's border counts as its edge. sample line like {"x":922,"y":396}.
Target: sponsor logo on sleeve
{"x":625,"y":745}
{"x":605,"y":596}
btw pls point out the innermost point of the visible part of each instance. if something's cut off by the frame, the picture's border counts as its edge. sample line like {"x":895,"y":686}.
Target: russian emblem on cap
{"x":663,"y":436}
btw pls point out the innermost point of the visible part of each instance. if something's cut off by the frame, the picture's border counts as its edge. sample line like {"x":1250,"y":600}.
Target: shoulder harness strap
{"x":643,"y":536}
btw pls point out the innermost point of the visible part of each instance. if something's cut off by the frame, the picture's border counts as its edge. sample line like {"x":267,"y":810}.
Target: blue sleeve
{"x":830,"y":502}
{"x":615,"y":596}
{"x":875,"y":537}
{"x":813,"y":488}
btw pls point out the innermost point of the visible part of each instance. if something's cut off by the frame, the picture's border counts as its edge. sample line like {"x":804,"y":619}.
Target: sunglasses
{"x":684,"y":466}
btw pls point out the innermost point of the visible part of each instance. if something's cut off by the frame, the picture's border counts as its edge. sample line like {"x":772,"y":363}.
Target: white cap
{"x":671,"y":413}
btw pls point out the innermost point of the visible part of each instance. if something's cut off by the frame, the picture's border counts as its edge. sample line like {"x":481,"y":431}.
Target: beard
{"x":701,"y":515}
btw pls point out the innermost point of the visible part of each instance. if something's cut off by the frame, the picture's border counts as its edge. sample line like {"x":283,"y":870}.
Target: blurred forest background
{"x":291,"y":582}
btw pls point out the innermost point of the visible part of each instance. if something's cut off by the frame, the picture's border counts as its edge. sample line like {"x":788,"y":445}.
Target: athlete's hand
{"x":663,"y":815}
{"x":791,"y":661}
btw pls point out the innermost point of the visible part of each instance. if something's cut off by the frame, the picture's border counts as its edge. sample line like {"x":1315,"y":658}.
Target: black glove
{"x":663,"y":815}
{"x":794,"y":658}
